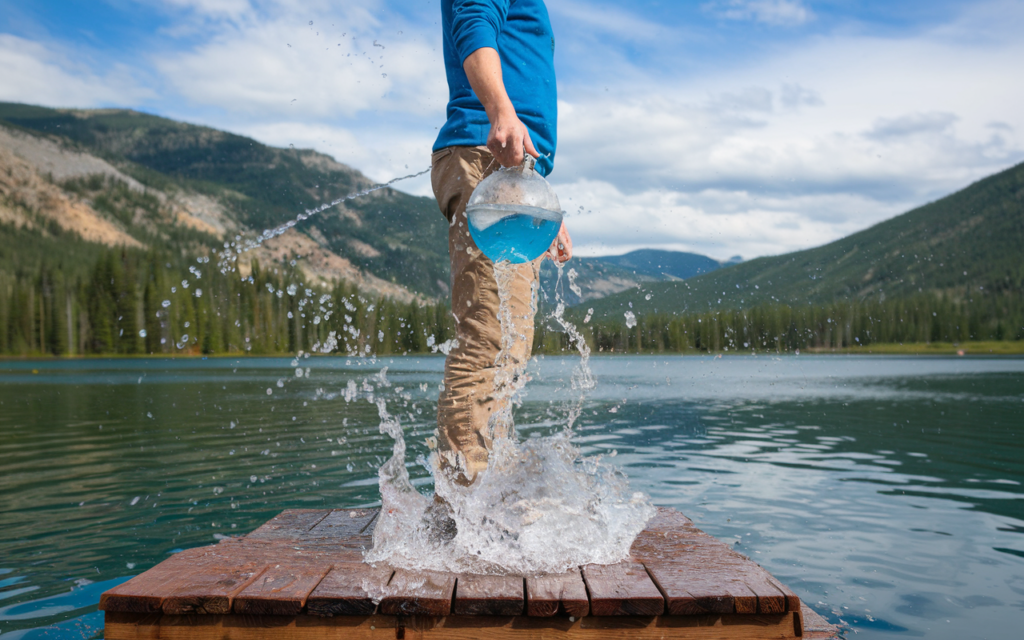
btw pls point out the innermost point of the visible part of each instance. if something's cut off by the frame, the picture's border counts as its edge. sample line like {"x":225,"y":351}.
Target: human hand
{"x":509,"y":138}
{"x":561,"y":248}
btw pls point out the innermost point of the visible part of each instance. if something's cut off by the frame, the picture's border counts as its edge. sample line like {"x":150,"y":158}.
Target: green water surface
{"x":885,"y":490}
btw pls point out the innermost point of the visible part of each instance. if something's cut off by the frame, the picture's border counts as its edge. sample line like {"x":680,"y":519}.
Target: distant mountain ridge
{"x":602,"y":276}
{"x":76,"y":165}
{"x":967,"y":244}
{"x":388,"y":242}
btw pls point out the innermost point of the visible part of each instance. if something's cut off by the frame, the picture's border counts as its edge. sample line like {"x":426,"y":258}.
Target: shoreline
{"x":979,"y":348}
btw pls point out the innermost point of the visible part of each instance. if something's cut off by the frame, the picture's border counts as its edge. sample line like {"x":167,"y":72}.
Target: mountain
{"x":103,"y":164}
{"x":967,"y":244}
{"x":606,"y":275}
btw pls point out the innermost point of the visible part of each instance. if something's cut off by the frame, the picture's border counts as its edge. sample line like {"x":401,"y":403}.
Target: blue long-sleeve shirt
{"x":521,"y":33}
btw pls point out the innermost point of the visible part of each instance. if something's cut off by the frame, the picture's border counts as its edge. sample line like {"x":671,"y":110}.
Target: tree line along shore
{"x":135,"y":303}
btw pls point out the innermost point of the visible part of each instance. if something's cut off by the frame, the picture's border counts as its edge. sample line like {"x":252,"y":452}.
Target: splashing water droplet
{"x":142,"y":333}
{"x":165,"y":304}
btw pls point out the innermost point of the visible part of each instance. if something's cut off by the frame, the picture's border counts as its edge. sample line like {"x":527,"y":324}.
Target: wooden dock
{"x":301,"y":576}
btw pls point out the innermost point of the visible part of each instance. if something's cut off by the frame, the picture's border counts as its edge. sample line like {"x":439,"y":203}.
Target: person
{"x":499,"y":60}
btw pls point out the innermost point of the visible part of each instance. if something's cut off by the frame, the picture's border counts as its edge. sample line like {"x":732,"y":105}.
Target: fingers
{"x":561,"y":249}
{"x":528,"y":144}
{"x":566,"y":243}
{"x":507,"y":141}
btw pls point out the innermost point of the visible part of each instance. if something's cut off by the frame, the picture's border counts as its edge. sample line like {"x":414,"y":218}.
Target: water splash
{"x":540,"y":507}
{"x":233,"y":250}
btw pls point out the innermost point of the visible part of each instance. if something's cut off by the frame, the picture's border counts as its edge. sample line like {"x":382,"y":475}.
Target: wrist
{"x":500,"y":110}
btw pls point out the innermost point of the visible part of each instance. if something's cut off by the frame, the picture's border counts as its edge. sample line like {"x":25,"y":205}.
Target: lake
{"x":885,"y":491}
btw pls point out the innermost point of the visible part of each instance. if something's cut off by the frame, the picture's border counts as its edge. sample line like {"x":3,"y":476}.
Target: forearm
{"x":483,"y":68}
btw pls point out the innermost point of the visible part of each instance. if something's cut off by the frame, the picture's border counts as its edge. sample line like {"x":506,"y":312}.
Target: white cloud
{"x":597,"y":20}
{"x":883,"y":123}
{"x":381,"y":156}
{"x":715,"y":222}
{"x":773,"y":12}
{"x":273,"y":69}
{"x":215,"y":8}
{"x":37,"y":73}
{"x":809,"y":141}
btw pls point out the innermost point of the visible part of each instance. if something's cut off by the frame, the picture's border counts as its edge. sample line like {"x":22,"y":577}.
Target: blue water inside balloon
{"x":521,"y":236}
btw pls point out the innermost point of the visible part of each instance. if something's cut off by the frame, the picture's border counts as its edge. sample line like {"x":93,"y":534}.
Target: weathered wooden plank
{"x":145,"y":592}
{"x":792,"y":600}
{"x":348,"y":589}
{"x":282,"y":589}
{"x":701,"y":574}
{"x":653,"y":546}
{"x":342,"y":524}
{"x":209,"y":587}
{"x":549,"y":594}
{"x":292,"y":524}
{"x":622,"y":589}
{"x":815,"y":627}
{"x":308,"y":548}
{"x":427,"y":593}
{"x":477,"y":595}
{"x":667,"y":519}
{"x":690,"y":591}
{"x":380,"y":627}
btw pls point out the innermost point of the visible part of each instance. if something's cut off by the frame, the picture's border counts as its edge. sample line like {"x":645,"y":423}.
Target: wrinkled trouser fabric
{"x":467,"y":401}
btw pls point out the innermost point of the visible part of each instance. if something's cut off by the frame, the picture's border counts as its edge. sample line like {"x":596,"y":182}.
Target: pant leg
{"x":467,"y":402}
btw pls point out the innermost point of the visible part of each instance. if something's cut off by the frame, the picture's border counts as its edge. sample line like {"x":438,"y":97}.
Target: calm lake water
{"x":886,"y":491}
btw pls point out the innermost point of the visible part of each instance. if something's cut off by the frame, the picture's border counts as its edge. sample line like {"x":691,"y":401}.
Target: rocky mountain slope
{"x":124,"y":178}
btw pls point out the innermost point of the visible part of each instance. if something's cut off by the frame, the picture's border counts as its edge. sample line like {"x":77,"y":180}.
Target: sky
{"x":722,"y":127}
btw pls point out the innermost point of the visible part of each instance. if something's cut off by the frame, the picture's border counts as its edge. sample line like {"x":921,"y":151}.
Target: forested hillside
{"x":115,"y":227}
{"x":392,"y":235}
{"x":966,"y":246}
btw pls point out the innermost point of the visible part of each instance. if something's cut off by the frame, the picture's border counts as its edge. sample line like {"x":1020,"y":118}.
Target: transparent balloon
{"x":514,"y":214}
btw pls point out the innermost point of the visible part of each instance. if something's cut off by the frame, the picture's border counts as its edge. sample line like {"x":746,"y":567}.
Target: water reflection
{"x":886,"y":491}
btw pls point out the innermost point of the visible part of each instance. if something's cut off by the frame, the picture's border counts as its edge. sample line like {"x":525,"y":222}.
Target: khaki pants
{"x":467,"y":401}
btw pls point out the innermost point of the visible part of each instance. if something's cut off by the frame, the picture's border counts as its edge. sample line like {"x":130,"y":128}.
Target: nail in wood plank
{"x":622,"y":589}
{"x":426,"y":593}
{"x":282,"y":589}
{"x":477,"y":595}
{"x":548,"y":594}
{"x":348,"y":589}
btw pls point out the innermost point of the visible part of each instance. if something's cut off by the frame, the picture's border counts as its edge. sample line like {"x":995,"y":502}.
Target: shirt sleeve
{"x":476,"y":24}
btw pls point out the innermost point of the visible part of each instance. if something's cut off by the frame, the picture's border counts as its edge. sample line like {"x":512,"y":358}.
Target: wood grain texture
{"x":210,"y":587}
{"x":667,"y":519}
{"x":145,"y":592}
{"x":700,"y":574}
{"x":292,"y":524}
{"x":426,"y":593}
{"x":345,"y":524}
{"x":308,"y":563}
{"x":477,"y":595}
{"x":622,"y":589}
{"x":121,"y":626}
{"x":547,"y":595}
{"x":816,"y":627}
{"x":282,"y":589}
{"x":347,"y":590}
